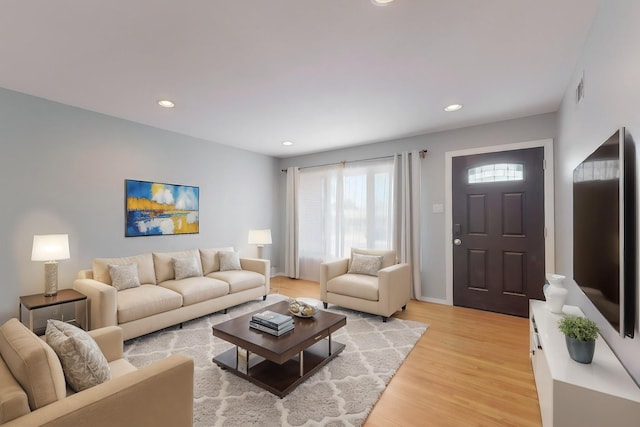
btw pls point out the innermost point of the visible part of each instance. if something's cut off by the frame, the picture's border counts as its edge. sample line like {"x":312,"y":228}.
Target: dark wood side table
{"x":64,"y":296}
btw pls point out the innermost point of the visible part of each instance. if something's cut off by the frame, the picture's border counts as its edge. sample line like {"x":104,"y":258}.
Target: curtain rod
{"x":422,"y":154}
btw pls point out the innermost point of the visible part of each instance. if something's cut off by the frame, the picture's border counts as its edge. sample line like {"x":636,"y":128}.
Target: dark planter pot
{"x":580,"y":351}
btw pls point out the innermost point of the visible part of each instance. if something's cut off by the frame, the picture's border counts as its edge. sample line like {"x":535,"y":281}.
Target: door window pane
{"x":496,"y":173}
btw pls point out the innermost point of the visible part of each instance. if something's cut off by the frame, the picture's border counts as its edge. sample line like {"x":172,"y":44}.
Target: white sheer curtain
{"x":344,"y":206}
{"x":407,"y":167}
{"x":291,"y":263}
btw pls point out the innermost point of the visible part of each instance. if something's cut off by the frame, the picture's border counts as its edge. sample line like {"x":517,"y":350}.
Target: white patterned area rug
{"x":342,"y":393}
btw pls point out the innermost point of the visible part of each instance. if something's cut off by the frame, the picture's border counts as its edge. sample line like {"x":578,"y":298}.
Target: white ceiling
{"x":324,"y":74}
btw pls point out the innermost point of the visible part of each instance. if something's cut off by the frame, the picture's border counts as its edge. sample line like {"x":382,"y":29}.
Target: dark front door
{"x":498,"y":230}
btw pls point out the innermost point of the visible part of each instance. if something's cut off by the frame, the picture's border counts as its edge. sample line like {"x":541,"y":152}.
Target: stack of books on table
{"x":272,"y":323}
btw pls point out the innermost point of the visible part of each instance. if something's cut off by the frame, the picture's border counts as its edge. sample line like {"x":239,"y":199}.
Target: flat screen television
{"x":604,"y":230}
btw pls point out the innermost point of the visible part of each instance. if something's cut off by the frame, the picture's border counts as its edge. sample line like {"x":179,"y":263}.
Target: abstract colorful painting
{"x":155,"y":209}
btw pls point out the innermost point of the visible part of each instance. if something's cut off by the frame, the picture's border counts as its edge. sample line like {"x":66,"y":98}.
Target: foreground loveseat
{"x":169,"y":287}
{"x":33,"y":391}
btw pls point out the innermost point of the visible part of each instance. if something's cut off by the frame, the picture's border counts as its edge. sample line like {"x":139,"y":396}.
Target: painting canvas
{"x":154,"y":209}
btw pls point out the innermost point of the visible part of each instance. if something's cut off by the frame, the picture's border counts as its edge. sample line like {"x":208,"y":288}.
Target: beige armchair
{"x":353,"y":283}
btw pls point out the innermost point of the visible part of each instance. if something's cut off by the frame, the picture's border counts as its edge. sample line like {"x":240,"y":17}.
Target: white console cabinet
{"x":599,"y":394}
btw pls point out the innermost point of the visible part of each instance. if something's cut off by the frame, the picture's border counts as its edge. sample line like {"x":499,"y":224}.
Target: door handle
{"x":457,"y":242}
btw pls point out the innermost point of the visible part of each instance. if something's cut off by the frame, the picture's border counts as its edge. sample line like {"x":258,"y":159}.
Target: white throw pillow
{"x":365,"y":264}
{"x":229,"y":260}
{"x":124,"y":276}
{"x":185,"y":267}
{"x":83,"y":363}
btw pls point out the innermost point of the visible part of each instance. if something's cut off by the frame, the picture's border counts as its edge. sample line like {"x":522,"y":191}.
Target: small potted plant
{"x":580,"y":335}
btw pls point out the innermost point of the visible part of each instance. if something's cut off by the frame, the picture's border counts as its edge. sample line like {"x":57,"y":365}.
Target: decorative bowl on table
{"x":302,"y":308}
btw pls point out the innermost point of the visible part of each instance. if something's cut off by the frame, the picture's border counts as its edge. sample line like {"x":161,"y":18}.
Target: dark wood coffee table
{"x":279,"y":364}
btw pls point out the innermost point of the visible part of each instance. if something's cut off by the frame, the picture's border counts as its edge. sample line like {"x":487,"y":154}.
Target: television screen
{"x":604,"y":231}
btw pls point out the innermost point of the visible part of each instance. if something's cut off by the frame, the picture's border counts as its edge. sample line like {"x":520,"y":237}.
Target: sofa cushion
{"x":83,"y":363}
{"x":33,"y":364}
{"x":355,"y":285}
{"x":145,"y":301}
{"x":14,"y":402}
{"x":197,"y":289}
{"x":388,"y":256}
{"x":239,"y":280}
{"x":210,"y":260}
{"x":163,"y":264}
{"x":365,"y":264}
{"x":124,"y":276}
{"x":185,"y":267}
{"x":146,"y":273}
{"x":229,"y":260}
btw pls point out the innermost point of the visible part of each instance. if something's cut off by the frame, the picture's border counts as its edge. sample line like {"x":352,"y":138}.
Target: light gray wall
{"x":611,"y":66}
{"x":63,"y":171}
{"x":433,"y":180}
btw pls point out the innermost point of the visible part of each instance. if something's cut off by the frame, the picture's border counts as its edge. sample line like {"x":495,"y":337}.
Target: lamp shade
{"x":260,"y":237}
{"x":50,"y":247}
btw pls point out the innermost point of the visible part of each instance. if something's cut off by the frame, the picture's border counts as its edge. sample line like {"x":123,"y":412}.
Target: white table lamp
{"x":50,"y":248}
{"x":260,"y":238}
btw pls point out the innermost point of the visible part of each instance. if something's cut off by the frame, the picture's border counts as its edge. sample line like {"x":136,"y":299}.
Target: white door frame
{"x":549,"y":241}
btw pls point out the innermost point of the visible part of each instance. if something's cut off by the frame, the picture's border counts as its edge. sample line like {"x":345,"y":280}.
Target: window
{"x":496,"y":172}
{"x":343,"y":206}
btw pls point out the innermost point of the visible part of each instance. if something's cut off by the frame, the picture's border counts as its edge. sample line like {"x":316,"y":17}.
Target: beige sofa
{"x":33,"y":391}
{"x":382,"y":291}
{"x":161,"y":300}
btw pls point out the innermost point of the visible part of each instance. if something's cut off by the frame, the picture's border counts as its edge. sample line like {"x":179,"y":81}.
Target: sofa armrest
{"x":102,"y":302}
{"x":394,"y":286}
{"x":329,"y":270}
{"x":262,"y":266}
{"x":160,"y":394}
{"x":110,"y":340}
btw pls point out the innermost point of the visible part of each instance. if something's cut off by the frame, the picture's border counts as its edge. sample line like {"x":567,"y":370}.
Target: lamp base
{"x":50,"y":278}
{"x":260,"y":251}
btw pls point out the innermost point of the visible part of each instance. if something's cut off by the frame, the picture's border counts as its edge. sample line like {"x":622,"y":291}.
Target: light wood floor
{"x":471,"y":368}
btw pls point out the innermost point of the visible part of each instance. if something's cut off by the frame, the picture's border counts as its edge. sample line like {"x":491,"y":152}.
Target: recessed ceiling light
{"x":166,"y":103}
{"x":381,"y":2}
{"x":453,"y":107}
{"x":287,"y":143}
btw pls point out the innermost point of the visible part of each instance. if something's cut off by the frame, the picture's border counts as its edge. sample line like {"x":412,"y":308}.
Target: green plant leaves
{"x":579,"y":328}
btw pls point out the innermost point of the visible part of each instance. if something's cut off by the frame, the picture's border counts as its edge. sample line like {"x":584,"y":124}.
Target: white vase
{"x":555,"y":293}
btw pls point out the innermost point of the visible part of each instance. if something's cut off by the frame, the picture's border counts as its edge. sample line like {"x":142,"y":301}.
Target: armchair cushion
{"x":83,"y":363}
{"x":355,"y":285}
{"x":388,"y":256}
{"x":365,"y":264}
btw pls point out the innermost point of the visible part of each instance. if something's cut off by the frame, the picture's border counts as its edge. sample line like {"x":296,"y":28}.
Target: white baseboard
{"x":434,"y":300}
